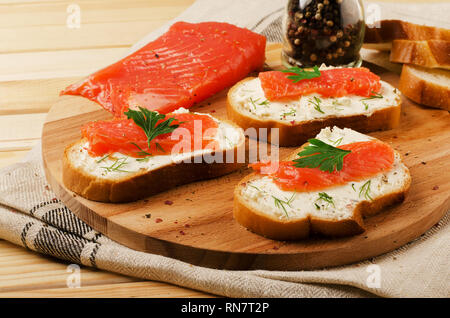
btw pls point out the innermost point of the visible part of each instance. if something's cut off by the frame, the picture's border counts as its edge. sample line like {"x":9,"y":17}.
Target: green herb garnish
{"x":301,"y":74}
{"x":365,"y":189}
{"x":250,"y":185}
{"x":230,"y":143}
{"x":289,"y":113}
{"x":336,"y":142}
{"x":316,"y":102}
{"x":148,"y":121}
{"x":141,"y":152}
{"x":103,"y":158}
{"x":353,"y":187}
{"x":160,"y":147}
{"x":325,"y":197}
{"x":322,"y":155}
{"x":255,"y":101}
{"x":280,"y":203}
{"x":117,"y":165}
{"x":373,"y":96}
{"x":366,"y":106}
{"x":143,"y":159}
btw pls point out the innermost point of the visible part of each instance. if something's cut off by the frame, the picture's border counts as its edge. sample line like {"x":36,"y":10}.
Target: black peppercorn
{"x":318,"y":33}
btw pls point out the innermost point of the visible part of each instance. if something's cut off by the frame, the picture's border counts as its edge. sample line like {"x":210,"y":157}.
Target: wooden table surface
{"x":40,"y":55}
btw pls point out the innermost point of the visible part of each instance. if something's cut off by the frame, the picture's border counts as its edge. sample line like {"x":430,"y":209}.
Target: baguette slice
{"x":303,"y":120}
{"x":432,"y":53}
{"x":430,"y":87}
{"x":255,"y":208}
{"x":137,"y":179}
{"x":380,"y":38}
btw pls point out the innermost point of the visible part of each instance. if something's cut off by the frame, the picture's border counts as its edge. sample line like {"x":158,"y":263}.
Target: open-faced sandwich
{"x":301,"y":102}
{"x":122,"y":160}
{"x":140,"y":152}
{"x":324,"y":187}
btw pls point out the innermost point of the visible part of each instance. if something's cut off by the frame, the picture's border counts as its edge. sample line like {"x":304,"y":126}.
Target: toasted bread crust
{"x":277,"y":229}
{"x":432,"y":53}
{"x":139,"y":185}
{"x":390,"y":30}
{"x":298,"y":133}
{"x":422,"y":91}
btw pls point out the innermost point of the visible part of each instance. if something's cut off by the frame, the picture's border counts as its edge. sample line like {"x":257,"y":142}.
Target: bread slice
{"x":432,"y":53}
{"x":430,"y":87}
{"x":298,"y":120}
{"x":136,"y":179}
{"x":381,"y":35}
{"x":255,"y":208}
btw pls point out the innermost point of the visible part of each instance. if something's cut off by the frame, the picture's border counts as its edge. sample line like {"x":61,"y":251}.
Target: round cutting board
{"x":194,"y":222}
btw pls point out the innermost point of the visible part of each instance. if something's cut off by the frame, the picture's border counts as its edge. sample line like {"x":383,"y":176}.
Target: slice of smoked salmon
{"x":336,"y":82}
{"x":187,"y":64}
{"x":366,"y":159}
{"x":124,"y":136}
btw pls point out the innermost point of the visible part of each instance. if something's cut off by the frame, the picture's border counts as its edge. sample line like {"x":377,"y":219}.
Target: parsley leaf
{"x":148,"y":121}
{"x":322,"y":155}
{"x":301,"y":73}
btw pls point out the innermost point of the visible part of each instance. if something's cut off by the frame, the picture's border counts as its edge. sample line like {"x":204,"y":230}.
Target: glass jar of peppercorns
{"x":323,"y":31}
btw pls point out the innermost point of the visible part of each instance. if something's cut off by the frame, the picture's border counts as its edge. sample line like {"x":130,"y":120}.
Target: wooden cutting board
{"x":197,"y":222}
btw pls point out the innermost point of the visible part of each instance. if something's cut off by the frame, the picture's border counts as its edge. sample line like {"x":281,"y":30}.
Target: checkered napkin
{"x":31,"y":216}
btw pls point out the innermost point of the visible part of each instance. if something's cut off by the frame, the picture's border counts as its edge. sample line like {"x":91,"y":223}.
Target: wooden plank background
{"x":39,"y":56}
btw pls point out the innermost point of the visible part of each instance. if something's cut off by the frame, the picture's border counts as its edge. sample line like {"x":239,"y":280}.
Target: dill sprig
{"x":366,"y":106}
{"x":117,"y":165}
{"x":102,"y":159}
{"x":255,"y":187}
{"x":255,"y":101}
{"x":365,"y":190}
{"x":373,"y":96}
{"x":316,"y":102}
{"x":148,"y":121}
{"x":301,"y":74}
{"x":321,"y":155}
{"x":336,"y":142}
{"x":325,"y":197}
{"x":292,"y":112}
{"x":141,"y":152}
{"x":280,"y":204}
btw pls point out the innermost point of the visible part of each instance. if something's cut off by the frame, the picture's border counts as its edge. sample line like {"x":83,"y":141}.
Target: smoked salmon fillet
{"x":336,"y":82}
{"x":124,"y":136}
{"x":366,"y":159}
{"x":184,"y":66}
{"x":340,"y":177}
